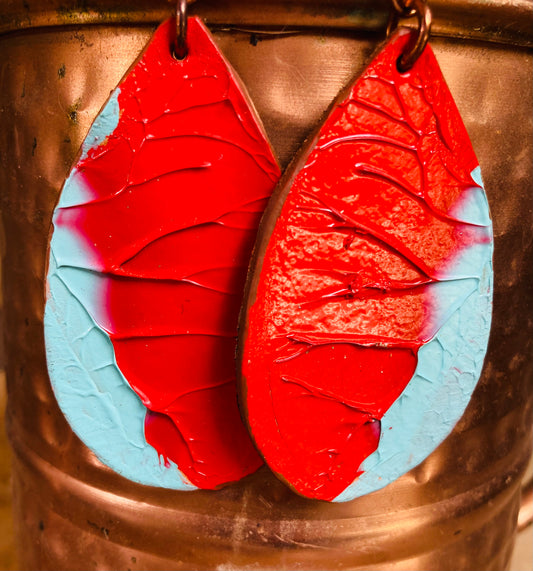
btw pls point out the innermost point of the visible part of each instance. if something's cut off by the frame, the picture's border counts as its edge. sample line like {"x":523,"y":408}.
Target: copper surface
{"x":458,"y":510}
{"x":505,"y":21}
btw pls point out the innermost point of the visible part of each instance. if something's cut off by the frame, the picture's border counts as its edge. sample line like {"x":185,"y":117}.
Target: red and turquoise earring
{"x":151,"y":241}
{"x":369,"y":299}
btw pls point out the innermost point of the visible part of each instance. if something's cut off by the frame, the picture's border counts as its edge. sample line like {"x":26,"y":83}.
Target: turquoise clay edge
{"x":448,"y":369}
{"x":92,"y":392}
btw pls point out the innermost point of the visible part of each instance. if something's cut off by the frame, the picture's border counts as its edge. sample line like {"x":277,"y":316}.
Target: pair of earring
{"x":365,"y":316}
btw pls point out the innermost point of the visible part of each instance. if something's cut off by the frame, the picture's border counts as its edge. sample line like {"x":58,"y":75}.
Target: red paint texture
{"x":343,"y":294}
{"x":177,"y":193}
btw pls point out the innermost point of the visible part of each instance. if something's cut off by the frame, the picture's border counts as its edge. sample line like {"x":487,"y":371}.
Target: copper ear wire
{"x":180,"y":46}
{"x":407,"y":9}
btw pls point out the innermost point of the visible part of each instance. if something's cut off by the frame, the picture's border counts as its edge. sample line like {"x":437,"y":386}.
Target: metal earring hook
{"x":407,"y":9}
{"x":180,"y":46}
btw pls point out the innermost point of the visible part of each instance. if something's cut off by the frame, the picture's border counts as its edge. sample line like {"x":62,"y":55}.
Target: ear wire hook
{"x":407,"y":9}
{"x":180,"y":46}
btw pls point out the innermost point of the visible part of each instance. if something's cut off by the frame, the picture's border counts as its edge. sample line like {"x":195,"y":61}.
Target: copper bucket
{"x":457,"y":510}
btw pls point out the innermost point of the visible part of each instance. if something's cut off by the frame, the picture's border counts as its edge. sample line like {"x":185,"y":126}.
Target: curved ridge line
{"x":130,"y":185}
{"x":383,"y":112}
{"x":257,"y":138}
{"x":222,"y":335}
{"x":334,"y":273}
{"x":180,"y":231}
{"x":212,"y":386}
{"x":424,"y":201}
{"x":316,"y":392}
{"x":131,"y":278}
{"x":397,"y":95}
{"x":349,"y":230}
{"x":254,"y":156}
{"x":367,"y":340}
{"x":348,"y":222}
{"x":365,"y":138}
{"x":366,"y":293}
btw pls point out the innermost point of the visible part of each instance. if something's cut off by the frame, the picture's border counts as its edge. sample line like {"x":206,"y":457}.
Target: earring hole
{"x":179,"y":55}
{"x":400,"y":66}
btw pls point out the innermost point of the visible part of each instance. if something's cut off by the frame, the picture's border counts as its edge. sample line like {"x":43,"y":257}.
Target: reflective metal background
{"x":458,"y":509}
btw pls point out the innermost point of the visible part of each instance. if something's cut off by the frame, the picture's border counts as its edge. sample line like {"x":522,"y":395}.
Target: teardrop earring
{"x":151,"y":240}
{"x":369,"y":299}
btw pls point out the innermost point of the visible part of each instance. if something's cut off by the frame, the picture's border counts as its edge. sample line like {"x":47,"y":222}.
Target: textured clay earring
{"x":369,"y":299}
{"x":151,"y":240}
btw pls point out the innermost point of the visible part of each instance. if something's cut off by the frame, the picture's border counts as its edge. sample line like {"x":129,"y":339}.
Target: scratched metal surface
{"x":455,"y":511}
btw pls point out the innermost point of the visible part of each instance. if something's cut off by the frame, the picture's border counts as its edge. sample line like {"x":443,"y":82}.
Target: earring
{"x":148,"y":258}
{"x":368,"y":305}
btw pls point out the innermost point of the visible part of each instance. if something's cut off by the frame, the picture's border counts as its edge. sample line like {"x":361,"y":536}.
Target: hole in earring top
{"x":407,"y":9}
{"x":180,"y":47}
